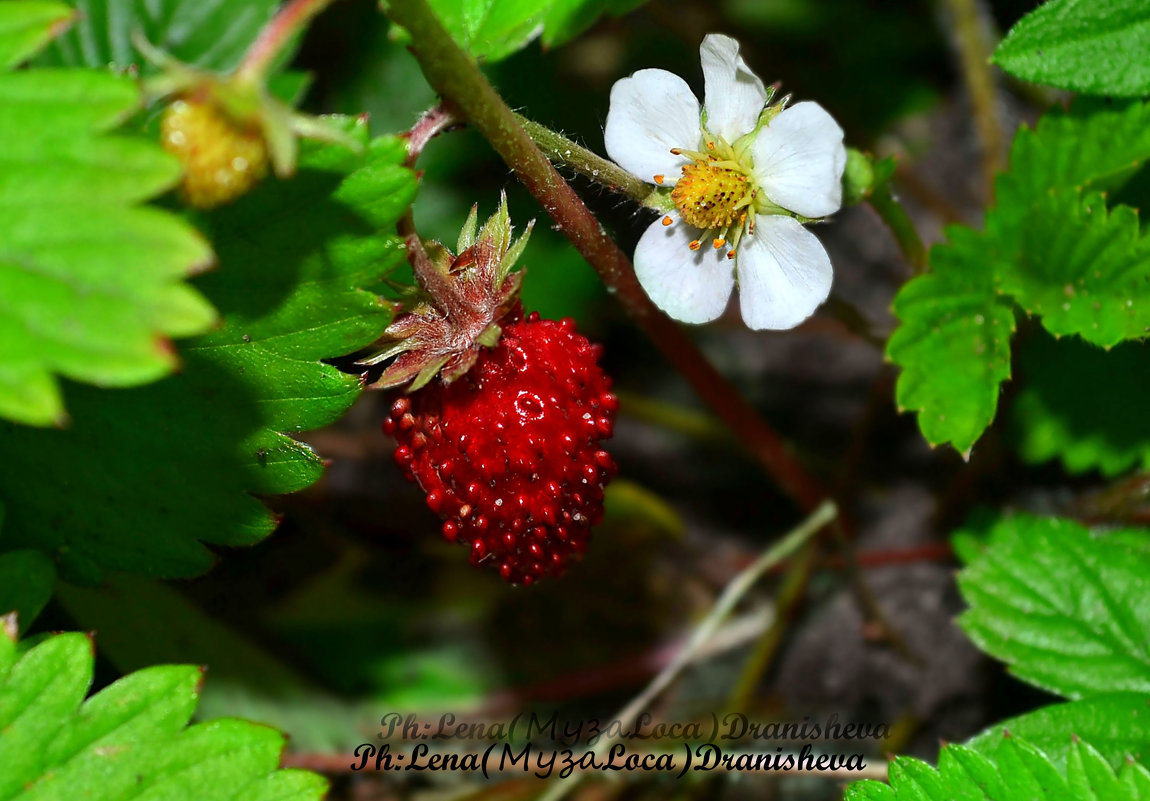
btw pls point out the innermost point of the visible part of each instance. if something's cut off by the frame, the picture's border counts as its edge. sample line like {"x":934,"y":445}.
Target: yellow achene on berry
{"x":222,"y":158}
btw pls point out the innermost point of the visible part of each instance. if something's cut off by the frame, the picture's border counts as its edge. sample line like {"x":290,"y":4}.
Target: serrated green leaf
{"x":143,"y":478}
{"x":90,"y":284}
{"x":210,"y":34}
{"x":129,"y":739}
{"x":26,"y":581}
{"x":1082,"y":405}
{"x":1050,"y":245}
{"x":1065,"y":609}
{"x":1082,"y":270}
{"x":1093,"y":46}
{"x":1116,"y":724}
{"x":28,"y":25}
{"x":954,"y":342}
{"x":1008,"y":769}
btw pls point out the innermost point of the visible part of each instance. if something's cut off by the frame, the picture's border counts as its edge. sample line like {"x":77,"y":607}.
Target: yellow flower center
{"x":712,"y":193}
{"x":717,"y":192}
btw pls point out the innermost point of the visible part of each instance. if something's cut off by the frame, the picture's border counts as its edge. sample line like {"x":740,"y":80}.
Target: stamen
{"x":676,"y":151}
{"x":659,"y":179}
{"x":695,"y":244}
{"x":718,"y":243}
{"x":730,"y":254}
{"x":667,"y":221}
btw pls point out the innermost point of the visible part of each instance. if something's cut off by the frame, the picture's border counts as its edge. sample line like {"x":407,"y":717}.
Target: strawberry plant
{"x":742,"y":272}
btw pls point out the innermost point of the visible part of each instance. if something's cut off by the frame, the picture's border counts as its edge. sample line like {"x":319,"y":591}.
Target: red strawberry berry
{"x":509,"y":453}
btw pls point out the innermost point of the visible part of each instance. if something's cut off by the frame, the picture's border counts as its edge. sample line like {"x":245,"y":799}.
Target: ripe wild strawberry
{"x":222,"y":157}
{"x":509,"y":455}
{"x":504,"y":415}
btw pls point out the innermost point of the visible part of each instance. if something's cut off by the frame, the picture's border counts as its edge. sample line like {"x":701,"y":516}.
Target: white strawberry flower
{"x":742,"y":173}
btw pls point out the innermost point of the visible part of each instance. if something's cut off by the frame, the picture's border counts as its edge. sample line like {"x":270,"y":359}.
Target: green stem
{"x":566,"y":153}
{"x":459,"y":81}
{"x":971,"y":36}
{"x":883,"y":201}
{"x":290,"y":19}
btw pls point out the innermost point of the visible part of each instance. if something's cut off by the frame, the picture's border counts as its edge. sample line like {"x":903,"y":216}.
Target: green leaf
{"x":1067,"y":610}
{"x":90,"y":283}
{"x":566,"y":19}
{"x":1014,"y":770}
{"x":210,"y":34}
{"x":1050,"y":245}
{"x":954,"y":342}
{"x":28,"y":25}
{"x":492,"y":29}
{"x":26,"y":581}
{"x":1093,"y":46}
{"x":1116,"y":724}
{"x":1102,"y":427}
{"x":129,"y":739}
{"x":143,"y":478}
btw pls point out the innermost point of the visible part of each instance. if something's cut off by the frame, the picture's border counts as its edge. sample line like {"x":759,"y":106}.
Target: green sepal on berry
{"x":465,"y":297}
{"x":227,"y":129}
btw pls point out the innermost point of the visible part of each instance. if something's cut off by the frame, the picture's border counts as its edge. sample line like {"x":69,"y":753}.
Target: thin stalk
{"x":290,"y":19}
{"x":566,"y":153}
{"x":457,"y":78}
{"x":969,"y":27}
{"x":883,"y":201}
{"x":734,"y":592}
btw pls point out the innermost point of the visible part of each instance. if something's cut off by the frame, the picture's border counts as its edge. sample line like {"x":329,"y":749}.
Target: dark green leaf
{"x":1094,"y":46}
{"x":212,"y":34}
{"x":1067,"y":610}
{"x":1104,"y":428}
{"x":142,"y":478}
{"x":492,"y":29}
{"x":26,"y":581}
{"x":566,"y":19}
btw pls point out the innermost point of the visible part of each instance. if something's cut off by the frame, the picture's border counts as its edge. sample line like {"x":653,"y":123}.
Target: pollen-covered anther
{"x":718,"y":243}
{"x":659,"y":179}
{"x":695,"y":244}
{"x":667,"y":221}
{"x":711,"y":194}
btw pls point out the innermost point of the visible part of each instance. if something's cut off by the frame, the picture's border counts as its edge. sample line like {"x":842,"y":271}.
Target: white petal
{"x":734,"y":95}
{"x":784,"y":274}
{"x":650,"y":113}
{"x":799,"y":160}
{"x":692,"y":286}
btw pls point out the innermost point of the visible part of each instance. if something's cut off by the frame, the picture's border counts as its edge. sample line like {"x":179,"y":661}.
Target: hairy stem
{"x":566,"y":153}
{"x":290,"y":19}
{"x":458,"y":80}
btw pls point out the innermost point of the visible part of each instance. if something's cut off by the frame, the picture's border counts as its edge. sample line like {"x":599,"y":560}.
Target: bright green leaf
{"x":954,"y":342}
{"x":1103,"y":427}
{"x":1116,"y":724}
{"x":1067,"y":610}
{"x":492,"y":29}
{"x":129,"y":739}
{"x":28,"y":25}
{"x":26,"y":581}
{"x":1093,"y":46}
{"x":1082,"y":269}
{"x":1050,"y":245}
{"x":1012,"y":770}
{"x":143,"y":478}
{"x":90,"y":283}
{"x":211,"y":34}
